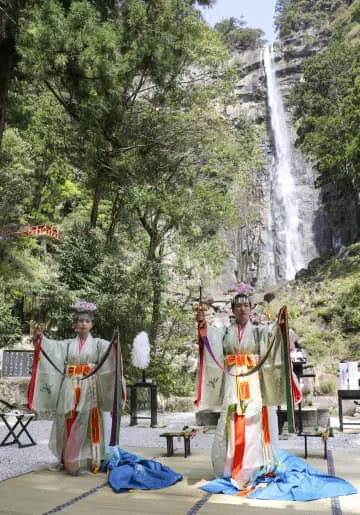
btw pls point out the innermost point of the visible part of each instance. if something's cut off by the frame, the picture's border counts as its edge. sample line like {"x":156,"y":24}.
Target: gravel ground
{"x":15,"y":461}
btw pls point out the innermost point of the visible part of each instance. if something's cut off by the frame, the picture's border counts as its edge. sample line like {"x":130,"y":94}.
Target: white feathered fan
{"x":140,"y":354}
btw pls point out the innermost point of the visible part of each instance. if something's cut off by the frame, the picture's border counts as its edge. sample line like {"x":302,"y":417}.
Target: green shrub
{"x":328,"y":387}
{"x":10,"y":330}
{"x":351,"y":320}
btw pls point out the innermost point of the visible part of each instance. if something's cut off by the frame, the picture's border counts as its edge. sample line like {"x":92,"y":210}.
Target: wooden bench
{"x":307,"y":435}
{"x":186,"y":435}
{"x":16,"y":421}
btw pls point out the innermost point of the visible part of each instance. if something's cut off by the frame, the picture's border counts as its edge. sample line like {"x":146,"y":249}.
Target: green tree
{"x":327,"y":106}
{"x":80,"y":252}
{"x":47,"y":130}
{"x":15,"y":182}
{"x":123,"y":112}
{"x":238,"y":36}
{"x":295,"y":15}
{"x":145,"y":51}
{"x":10,"y":329}
{"x":178,"y":193}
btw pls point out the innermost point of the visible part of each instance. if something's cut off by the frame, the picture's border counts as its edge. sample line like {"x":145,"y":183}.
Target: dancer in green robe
{"x":63,"y":381}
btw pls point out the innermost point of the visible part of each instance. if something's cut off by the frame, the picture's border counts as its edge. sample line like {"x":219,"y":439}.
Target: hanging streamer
{"x":284,"y":332}
{"x":36,"y":358}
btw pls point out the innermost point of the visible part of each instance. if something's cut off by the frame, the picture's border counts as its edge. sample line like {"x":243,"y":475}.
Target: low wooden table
{"x":307,"y":435}
{"x":186,"y":435}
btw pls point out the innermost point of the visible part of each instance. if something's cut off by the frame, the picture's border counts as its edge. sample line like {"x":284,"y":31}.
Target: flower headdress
{"x":83,"y":306}
{"x":241,"y":290}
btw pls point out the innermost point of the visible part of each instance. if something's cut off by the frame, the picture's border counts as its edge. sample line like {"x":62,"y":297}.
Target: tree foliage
{"x":10,"y":329}
{"x":237,"y":36}
{"x":295,"y":15}
{"x":15,"y":182}
{"x":327,"y":106}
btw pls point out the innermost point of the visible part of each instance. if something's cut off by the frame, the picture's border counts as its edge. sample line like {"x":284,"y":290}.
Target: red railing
{"x":41,"y":230}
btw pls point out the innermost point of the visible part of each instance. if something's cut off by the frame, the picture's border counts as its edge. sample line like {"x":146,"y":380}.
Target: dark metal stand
{"x":312,"y":435}
{"x":299,"y":420}
{"x":347,"y":394}
{"x":17,"y":428}
{"x":298,"y":367}
{"x":16,"y":421}
{"x":170,"y":442}
{"x":153,"y":403}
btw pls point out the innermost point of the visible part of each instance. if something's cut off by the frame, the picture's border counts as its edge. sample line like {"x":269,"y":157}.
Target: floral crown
{"x":241,"y":290}
{"x":81,"y":305}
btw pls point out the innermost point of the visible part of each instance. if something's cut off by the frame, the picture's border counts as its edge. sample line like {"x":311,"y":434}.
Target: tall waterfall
{"x":285,"y":249}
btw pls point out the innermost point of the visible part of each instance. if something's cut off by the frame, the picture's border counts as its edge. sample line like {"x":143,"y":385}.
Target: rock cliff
{"x":257,"y":254}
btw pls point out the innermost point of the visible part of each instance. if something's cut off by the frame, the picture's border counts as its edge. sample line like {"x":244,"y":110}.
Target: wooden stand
{"x":186,"y":435}
{"x":153,"y":403}
{"x":314,"y":435}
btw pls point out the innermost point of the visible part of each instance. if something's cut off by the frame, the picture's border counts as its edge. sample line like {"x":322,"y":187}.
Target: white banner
{"x":349,"y":375}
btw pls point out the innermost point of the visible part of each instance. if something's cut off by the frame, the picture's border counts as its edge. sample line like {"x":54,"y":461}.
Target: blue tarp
{"x":128,"y":471}
{"x":295,"y":480}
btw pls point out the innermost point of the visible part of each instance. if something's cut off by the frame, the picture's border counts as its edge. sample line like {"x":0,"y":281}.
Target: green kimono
{"x":246,"y":437}
{"x":80,"y":403}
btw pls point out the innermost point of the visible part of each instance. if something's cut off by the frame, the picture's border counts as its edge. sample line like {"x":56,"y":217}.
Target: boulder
{"x":207,"y":417}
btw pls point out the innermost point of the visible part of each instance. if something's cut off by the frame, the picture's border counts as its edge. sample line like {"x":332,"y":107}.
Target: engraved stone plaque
{"x":17,"y":363}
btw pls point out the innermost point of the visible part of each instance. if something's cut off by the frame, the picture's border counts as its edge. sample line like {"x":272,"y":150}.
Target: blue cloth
{"x":128,"y":471}
{"x":295,"y":480}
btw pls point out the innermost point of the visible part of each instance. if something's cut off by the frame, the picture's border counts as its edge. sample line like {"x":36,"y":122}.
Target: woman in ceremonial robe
{"x":81,"y":404}
{"x":245,"y":443}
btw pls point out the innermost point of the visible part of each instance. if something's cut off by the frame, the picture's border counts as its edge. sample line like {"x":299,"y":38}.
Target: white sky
{"x":259,"y":14}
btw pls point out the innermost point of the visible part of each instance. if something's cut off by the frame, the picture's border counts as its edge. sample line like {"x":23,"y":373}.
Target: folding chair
{"x":16,"y":422}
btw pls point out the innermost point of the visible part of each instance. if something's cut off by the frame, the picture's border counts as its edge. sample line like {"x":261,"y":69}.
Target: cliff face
{"x":246,"y":240}
{"x":256,"y":245}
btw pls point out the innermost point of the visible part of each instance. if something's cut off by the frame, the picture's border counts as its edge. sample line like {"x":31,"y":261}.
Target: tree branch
{"x":60,"y":99}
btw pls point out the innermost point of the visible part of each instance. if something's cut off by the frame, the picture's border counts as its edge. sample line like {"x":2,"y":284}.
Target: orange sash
{"x":243,"y":383}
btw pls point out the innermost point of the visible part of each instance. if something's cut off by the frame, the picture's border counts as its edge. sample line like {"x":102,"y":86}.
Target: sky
{"x":258,"y":14}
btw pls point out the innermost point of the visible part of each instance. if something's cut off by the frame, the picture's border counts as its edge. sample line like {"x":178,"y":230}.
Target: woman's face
{"x":242,"y":312}
{"x":83,"y":325}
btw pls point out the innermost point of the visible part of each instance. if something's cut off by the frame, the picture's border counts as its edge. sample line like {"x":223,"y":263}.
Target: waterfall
{"x":285,"y":253}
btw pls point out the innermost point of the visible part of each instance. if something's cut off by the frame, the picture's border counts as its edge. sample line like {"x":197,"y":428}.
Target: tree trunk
{"x":96,"y":202}
{"x":7,"y":62}
{"x":155,"y":262}
{"x":114,"y":219}
{"x":10,"y":12}
{"x":156,"y":312}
